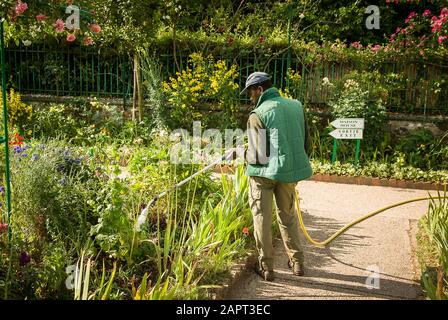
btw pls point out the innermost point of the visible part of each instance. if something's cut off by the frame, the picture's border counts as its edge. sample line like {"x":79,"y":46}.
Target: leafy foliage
{"x":202,"y":81}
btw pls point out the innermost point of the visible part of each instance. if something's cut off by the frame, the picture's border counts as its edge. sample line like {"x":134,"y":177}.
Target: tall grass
{"x":435,"y":225}
{"x":192,"y":244}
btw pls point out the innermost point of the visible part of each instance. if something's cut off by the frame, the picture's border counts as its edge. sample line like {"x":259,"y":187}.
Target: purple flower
{"x":62,"y":181}
{"x":24,"y":258}
{"x":17,"y":149}
{"x":2,"y":190}
{"x":24,"y":154}
{"x":34,"y":157}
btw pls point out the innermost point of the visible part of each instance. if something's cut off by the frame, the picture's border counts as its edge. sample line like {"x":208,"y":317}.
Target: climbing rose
{"x":95,"y":28}
{"x":41,"y":17}
{"x":21,"y":7}
{"x":356,"y":45}
{"x":376,"y":48}
{"x":71,"y":37}
{"x":410,"y":16}
{"x":441,"y":39}
{"x":444,"y":12}
{"x":3,"y":227}
{"x":88,"y":41}
{"x":427,"y":13}
{"x":59,"y":25}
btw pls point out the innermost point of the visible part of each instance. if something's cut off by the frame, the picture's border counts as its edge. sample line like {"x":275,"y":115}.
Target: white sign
{"x":347,"y":133}
{"x":348,"y":123}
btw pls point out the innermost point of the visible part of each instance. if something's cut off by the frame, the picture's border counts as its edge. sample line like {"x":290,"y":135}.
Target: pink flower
{"x":71,"y":37}
{"x":412,"y":15}
{"x":41,"y":17}
{"x":441,"y":39}
{"x":3,"y":227}
{"x":59,"y":26}
{"x":426,"y":13}
{"x":88,"y":41}
{"x":422,"y":52}
{"x":95,"y":28}
{"x":21,"y":7}
{"x":444,"y":12}
{"x":356,"y":45}
{"x":376,"y":48}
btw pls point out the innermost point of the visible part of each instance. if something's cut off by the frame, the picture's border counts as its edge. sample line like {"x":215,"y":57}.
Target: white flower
{"x":26,"y":43}
{"x":326,"y":82}
{"x":302,"y":16}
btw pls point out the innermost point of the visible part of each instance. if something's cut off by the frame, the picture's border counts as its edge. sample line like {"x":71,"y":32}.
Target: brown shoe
{"x":267,"y":275}
{"x":297,"y":268}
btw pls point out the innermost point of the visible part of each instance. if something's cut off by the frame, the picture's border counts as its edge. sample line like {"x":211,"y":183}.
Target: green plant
{"x":19,"y":113}
{"x":435,"y":225}
{"x":354,"y":101}
{"x":203,"y":81}
{"x":380,"y":169}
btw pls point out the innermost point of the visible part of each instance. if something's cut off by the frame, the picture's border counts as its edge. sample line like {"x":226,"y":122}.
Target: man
{"x":277,"y":160}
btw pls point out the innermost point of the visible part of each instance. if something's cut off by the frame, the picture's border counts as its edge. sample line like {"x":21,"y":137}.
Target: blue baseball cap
{"x":255,"y":78}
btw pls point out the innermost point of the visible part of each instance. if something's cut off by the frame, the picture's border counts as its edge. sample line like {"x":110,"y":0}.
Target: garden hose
{"x":324,"y":243}
{"x":144,"y":214}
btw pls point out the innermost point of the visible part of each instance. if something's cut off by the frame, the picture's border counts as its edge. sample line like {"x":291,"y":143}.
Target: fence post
{"x":5,"y":138}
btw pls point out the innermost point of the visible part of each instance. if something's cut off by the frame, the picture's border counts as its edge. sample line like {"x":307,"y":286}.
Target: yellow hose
{"x":353,"y":223}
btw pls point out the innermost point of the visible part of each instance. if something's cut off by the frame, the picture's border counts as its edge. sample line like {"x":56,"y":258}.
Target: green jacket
{"x":285,"y":131}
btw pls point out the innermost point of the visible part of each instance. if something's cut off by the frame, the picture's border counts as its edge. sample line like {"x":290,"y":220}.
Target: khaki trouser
{"x":261,"y":191}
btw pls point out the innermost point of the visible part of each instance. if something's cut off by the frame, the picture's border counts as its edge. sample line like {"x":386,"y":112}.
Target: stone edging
{"x":237,"y":272}
{"x":379,"y":182}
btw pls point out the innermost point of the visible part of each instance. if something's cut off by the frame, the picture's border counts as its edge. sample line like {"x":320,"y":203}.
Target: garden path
{"x":385,"y":242}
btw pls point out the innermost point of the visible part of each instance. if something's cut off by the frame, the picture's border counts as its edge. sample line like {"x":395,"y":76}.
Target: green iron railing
{"x":82,"y":72}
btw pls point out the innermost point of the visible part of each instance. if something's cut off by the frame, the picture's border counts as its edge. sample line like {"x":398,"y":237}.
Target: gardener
{"x":277,"y":160}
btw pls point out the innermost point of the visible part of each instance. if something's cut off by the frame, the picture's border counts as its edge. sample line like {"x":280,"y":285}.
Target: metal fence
{"x":82,"y":72}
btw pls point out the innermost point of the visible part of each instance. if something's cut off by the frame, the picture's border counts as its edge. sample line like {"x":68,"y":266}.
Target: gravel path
{"x":383,"y":243}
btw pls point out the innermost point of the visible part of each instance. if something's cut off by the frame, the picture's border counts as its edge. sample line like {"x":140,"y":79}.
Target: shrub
{"x":355,"y":101}
{"x":52,"y":211}
{"x":19,"y":113}
{"x":204,"y":82}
